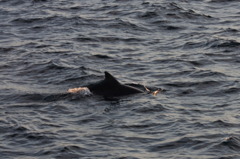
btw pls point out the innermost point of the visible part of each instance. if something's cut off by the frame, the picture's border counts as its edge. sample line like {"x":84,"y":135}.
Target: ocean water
{"x":190,"y":48}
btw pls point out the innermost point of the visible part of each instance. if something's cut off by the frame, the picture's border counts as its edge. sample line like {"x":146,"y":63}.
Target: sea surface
{"x":189,"y":48}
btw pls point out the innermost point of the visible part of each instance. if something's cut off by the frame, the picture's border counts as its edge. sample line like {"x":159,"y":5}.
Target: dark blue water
{"x":189,"y":48}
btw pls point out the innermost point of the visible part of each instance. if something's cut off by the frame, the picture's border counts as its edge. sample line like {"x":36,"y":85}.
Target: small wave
{"x":223,"y":1}
{"x":106,"y":8}
{"x":191,"y":84}
{"x":148,"y":14}
{"x":194,"y":45}
{"x":78,"y":78}
{"x":87,"y":121}
{"x":219,"y":124}
{"x":173,"y":10}
{"x":44,"y":97}
{"x":117,"y":39}
{"x":24,"y":98}
{"x":219,"y":43}
{"x":207,"y":73}
{"x":64,"y":96}
{"x":108,"y":39}
{"x":231,"y":30}
{"x":68,"y":151}
{"x":151,"y":109}
{"x":178,"y":12}
{"x":232,"y":90}
{"x":72,"y":148}
{"x":177,"y":144}
{"x":172,"y":27}
{"x":55,"y":20}
{"x":6,"y":49}
{"x":86,"y":39}
{"x":169,"y":27}
{"x":45,"y":67}
{"x":37,"y":1}
{"x":9,"y":126}
{"x":21,"y":132}
{"x":233,"y":142}
{"x":102,"y":56}
{"x":124,"y":25}
{"x":199,"y":63}
{"x":139,"y":126}
{"x":226,"y":91}
{"x":186,"y":92}
{"x":28,"y":106}
{"x":31,"y":20}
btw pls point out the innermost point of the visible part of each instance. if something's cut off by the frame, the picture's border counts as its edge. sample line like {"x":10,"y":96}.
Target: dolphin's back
{"x":110,"y":87}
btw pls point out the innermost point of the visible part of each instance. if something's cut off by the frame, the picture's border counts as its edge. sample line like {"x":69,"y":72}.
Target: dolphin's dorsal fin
{"x":110,"y":79}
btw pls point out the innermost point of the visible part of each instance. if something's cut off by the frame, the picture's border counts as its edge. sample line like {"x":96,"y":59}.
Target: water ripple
{"x":187,"y":49}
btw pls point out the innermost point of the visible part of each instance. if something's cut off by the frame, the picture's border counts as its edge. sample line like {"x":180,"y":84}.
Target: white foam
{"x":84,"y":91}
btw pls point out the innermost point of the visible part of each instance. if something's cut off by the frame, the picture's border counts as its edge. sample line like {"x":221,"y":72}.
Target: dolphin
{"x":111,"y":87}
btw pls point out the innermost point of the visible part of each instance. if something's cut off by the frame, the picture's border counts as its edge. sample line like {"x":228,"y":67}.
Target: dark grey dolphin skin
{"x":110,"y":87}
